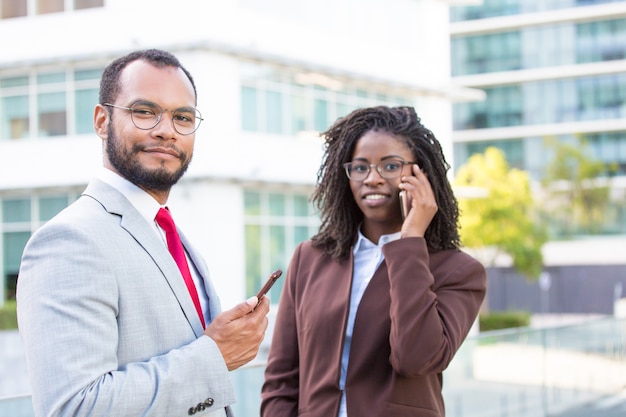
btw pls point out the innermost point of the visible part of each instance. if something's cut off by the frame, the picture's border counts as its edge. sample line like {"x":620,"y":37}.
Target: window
{"x":87,"y":4}
{"x":49,"y":6}
{"x":561,"y":44}
{"x":48,"y":104}
{"x":602,"y":97}
{"x":14,"y":108}
{"x":553,"y":101}
{"x":274,"y":224}
{"x":21,"y":216}
{"x":610,"y":148}
{"x":51,"y":104}
{"x":486,"y":53}
{"x":21,"y":8}
{"x":601,"y":41}
{"x":286,"y":104}
{"x":12,"y":8}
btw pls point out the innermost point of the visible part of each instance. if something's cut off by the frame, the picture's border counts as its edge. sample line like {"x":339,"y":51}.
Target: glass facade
{"x":285,"y":103}
{"x":21,"y":216}
{"x":48,"y":103}
{"x":275,"y":222}
{"x":561,"y":44}
{"x":495,"y":8}
{"x":527,"y":90}
{"x":543,"y":102}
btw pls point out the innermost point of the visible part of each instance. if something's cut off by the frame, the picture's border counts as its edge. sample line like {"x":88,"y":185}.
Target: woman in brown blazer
{"x":374,"y":306}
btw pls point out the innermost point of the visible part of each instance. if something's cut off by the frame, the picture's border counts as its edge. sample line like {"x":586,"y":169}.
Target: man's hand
{"x":238,"y":332}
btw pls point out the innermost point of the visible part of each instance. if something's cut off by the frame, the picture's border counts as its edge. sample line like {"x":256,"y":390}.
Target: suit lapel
{"x":137,"y":226}
{"x":198,"y":262}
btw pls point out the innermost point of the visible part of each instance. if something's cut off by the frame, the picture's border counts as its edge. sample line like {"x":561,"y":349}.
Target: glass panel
{"x":298,"y":114}
{"x":271,"y":236}
{"x":14,"y":243}
{"x":87,"y":4}
{"x":277,"y":258}
{"x":277,"y":204}
{"x":51,"y":78}
{"x":290,"y":105}
{"x":253,"y":259}
{"x":52,"y":114}
{"x":274,"y":111}
{"x":321,"y":115}
{"x":601,"y":41}
{"x":300,"y":234}
{"x":515,"y":372}
{"x":93,"y":74}
{"x":249,"y":109}
{"x":16,"y":210}
{"x":14,"y":117}
{"x":342,"y":110}
{"x":85,"y":103}
{"x":252,"y":203}
{"x":49,"y":6}
{"x":300,"y":205}
{"x":13,"y":82}
{"x":12,"y":8}
{"x":51,"y":206}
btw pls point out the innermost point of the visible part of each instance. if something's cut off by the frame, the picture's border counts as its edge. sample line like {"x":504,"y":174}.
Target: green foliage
{"x":8,"y":316}
{"x":577,"y":186}
{"x":503,"y":320}
{"x":505,"y":219}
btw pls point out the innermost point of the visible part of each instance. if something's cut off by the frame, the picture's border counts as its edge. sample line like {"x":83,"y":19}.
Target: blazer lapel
{"x":135,"y":224}
{"x":203,"y":271}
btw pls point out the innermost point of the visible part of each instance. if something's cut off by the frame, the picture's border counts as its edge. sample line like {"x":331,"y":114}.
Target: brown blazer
{"x":414,"y":315}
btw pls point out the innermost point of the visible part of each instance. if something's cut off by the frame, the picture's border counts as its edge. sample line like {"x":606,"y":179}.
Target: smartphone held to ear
{"x":405,"y":204}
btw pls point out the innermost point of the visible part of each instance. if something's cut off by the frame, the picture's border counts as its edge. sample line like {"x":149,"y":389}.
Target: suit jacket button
{"x":191,"y":411}
{"x":209,"y":402}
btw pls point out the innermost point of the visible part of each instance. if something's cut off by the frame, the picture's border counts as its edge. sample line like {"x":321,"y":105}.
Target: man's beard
{"x":128,"y":166}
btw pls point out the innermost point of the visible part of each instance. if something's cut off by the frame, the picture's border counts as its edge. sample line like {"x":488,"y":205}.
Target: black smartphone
{"x":405,"y":204}
{"x":268,"y":284}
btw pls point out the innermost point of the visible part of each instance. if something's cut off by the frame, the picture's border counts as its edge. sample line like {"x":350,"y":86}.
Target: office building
{"x":271,"y":74}
{"x":550,"y":69}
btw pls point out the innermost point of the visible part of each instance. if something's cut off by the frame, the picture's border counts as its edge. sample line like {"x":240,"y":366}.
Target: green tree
{"x":576,"y":187}
{"x":503,"y":221}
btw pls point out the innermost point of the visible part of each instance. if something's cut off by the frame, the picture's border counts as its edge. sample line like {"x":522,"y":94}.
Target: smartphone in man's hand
{"x":269,"y":283}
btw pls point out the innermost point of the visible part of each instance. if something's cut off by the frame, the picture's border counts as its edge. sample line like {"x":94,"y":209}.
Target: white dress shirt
{"x":367,"y":258}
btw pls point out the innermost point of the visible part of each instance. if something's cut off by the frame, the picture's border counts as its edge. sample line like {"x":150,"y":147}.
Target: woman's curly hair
{"x":340,"y":215}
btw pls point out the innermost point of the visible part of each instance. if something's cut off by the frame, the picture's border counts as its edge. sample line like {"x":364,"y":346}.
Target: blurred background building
{"x":271,"y":74}
{"x":551,"y":70}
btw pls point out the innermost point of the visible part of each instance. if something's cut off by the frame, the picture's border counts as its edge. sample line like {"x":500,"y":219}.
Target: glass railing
{"x":16,"y":406}
{"x":536,"y":372}
{"x":523,"y":372}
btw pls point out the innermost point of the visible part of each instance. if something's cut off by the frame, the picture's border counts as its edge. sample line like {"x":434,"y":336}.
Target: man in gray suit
{"x":110,"y":326}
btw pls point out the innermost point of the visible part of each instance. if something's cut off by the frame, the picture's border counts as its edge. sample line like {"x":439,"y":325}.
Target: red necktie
{"x":164,"y":219}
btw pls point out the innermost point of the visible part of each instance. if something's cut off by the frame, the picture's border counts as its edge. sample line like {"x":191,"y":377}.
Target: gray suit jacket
{"x":108,"y":325}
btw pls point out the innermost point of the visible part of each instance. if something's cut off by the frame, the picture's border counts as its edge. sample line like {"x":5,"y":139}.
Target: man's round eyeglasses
{"x":146,"y":115}
{"x":388,"y":169}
